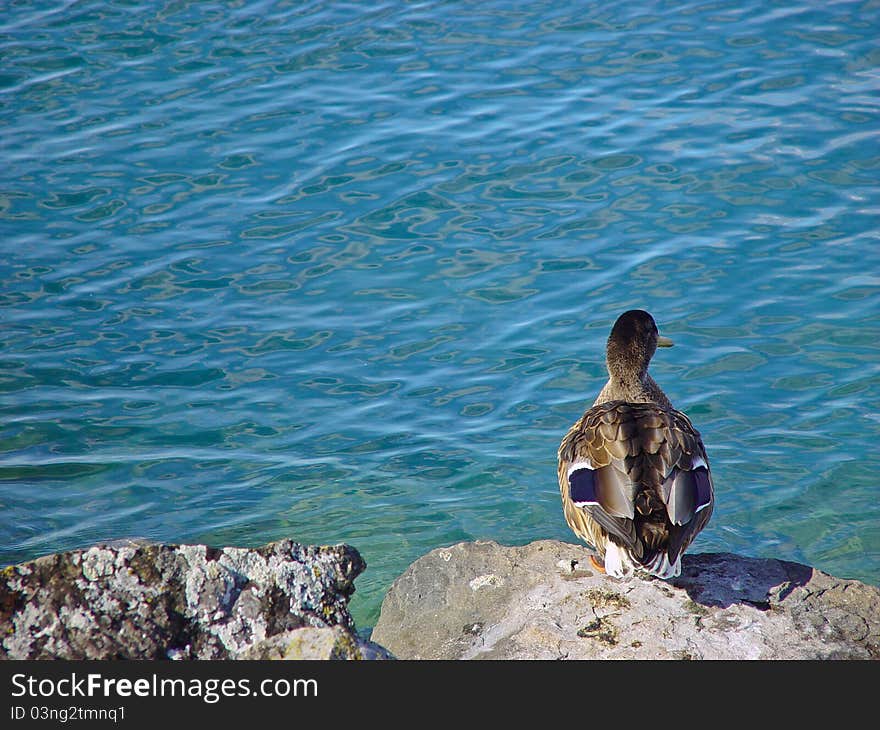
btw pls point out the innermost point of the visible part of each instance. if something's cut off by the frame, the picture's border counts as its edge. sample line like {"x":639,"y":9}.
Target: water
{"x":344,"y":272}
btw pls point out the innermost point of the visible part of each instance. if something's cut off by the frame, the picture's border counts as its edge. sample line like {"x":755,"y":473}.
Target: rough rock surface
{"x":481,"y":600}
{"x":132,"y":600}
{"x":315,"y":643}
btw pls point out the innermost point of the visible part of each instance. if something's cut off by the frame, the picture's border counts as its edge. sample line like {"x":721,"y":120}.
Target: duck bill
{"x":664,"y":341}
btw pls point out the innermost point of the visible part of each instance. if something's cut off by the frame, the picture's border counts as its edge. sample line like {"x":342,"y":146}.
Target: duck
{"x":633,"y":472}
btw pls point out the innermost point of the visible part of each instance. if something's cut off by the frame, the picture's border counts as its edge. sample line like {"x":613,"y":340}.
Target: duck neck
{"x":632,"y":387}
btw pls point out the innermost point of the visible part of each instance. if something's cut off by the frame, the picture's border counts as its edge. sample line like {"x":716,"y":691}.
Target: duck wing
{"x":640,"y":471}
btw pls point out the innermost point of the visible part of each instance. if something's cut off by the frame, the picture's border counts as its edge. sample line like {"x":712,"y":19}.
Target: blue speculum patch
{"x":582,"y":486}
{"x":704,"y":488}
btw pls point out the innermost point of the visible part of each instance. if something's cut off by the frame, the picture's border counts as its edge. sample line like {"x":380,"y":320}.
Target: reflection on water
{"x":345,"y":274}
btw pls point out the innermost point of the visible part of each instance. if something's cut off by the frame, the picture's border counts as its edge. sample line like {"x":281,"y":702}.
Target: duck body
{"x":633,"y":472}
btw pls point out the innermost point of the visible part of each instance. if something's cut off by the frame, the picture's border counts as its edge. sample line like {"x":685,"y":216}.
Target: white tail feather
{"x":662,"y":568}
{"x":617,"y":561}
{"x":619,"y":564}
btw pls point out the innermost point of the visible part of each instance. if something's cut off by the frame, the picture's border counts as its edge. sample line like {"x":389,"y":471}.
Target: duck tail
{"x":659,"y":565}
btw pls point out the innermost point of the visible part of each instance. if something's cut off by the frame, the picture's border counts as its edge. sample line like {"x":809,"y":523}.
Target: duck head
{"x":632,"y":343}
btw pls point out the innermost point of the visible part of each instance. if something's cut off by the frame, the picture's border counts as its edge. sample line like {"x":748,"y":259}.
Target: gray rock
{"x":481,"y":600}
{"x":136,"y":600}
{"x":315,"y":643}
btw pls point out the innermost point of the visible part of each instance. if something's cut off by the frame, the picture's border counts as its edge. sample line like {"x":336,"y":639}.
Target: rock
{"x":482,"y":600}
{"x":134,"y":600}
{"x":315,"y":643}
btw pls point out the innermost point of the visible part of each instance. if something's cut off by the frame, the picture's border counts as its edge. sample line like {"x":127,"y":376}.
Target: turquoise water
{"x":344,"y":272}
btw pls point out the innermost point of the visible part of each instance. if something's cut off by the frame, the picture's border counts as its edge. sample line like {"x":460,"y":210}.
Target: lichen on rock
{"x":152,"y":601}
